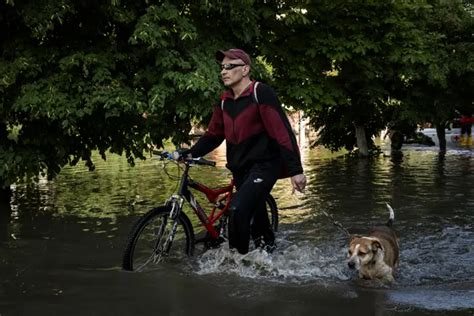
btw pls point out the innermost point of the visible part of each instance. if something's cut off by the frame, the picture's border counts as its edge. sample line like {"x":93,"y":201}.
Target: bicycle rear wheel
{"x":150,"y":241}
{"x":272,"y":210}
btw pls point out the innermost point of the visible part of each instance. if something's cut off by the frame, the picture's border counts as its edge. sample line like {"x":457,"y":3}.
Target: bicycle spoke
{"x":155,"y":258}
{"x":142,"y":266}
{"x":169,"y":240}
{"x":159,"y":238}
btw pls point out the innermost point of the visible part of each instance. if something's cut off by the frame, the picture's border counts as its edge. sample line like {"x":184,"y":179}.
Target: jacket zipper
{"x":233,"y":126}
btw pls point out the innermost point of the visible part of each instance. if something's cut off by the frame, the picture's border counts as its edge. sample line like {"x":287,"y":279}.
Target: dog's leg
{"x":388,"y":278}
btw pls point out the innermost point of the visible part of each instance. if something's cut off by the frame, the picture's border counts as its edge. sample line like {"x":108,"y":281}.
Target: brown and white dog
{"x":375,"y":256}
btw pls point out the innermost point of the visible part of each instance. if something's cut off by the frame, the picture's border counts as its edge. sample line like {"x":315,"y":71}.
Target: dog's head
{"x":364,"y":251}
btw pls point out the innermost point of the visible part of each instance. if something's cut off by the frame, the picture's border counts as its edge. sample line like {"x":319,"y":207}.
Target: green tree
{"x":442,"y":88}
{"x":342,"y":60}
{"x":76,"y":76}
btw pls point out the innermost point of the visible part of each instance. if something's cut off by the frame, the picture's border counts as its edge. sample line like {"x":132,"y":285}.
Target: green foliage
{"x":76,"y":76}
{"x":345,"y":63}
{"x":444,"y":87}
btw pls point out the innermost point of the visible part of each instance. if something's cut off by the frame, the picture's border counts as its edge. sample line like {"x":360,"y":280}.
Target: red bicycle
{"x":166,"y":232}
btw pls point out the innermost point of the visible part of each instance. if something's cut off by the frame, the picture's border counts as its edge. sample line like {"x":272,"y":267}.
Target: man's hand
{"x":298,"y":182}
{"x":182,"y":153}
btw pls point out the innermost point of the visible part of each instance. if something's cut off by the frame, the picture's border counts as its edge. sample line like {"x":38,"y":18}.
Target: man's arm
{"x":213,"y":137}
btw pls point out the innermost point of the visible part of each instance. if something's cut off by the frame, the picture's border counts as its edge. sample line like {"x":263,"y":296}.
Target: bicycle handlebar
{"x":202,"y":161}
{"x":195,"y":161}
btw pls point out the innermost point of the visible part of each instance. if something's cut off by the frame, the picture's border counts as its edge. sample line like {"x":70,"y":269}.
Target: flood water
{"x":61,"y":243}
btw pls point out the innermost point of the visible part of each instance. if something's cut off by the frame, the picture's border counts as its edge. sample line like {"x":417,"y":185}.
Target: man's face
{"x":232,"y":77}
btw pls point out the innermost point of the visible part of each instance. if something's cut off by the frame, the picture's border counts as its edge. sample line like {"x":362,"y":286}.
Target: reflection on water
{"x":79,"y":222}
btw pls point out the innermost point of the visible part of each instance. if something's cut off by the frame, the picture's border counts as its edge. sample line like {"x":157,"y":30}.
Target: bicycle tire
{"x":272,"y":210}
{"x":133,"y":255}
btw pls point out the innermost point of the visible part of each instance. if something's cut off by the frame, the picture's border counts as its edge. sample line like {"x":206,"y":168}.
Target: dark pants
{"x":248,"y":209}
{"x":466,"y":129}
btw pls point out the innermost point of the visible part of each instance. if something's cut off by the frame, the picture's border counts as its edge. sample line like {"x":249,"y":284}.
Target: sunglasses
{"x":230,"y":66}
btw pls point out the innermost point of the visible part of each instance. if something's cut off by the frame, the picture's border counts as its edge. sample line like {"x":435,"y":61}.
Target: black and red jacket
{"x":254,"y":132}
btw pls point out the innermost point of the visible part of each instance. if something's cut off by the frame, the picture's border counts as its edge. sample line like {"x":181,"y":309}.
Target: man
{"x":466,"y":129}
{"x":261,"y":148}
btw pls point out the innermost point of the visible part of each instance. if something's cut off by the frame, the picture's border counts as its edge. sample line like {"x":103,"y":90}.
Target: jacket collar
{"x":229,"y":94}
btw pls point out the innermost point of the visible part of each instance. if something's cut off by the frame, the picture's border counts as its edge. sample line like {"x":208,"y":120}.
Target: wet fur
{"x":375,"y":256}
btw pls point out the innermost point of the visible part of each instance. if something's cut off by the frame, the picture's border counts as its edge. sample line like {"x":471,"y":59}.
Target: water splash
{"x":293,"y":263}
{"x":428,"y":260}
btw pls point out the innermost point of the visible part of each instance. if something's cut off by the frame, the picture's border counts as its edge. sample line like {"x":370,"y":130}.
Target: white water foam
{"x":293,"y":263}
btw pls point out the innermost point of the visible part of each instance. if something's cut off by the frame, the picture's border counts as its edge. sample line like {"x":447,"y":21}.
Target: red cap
{"x":233,"y":53}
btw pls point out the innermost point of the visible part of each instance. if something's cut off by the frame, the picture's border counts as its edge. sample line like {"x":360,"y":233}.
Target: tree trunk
{"x":396,"y":140}
{"x":362,"y":141}
{"x":441,"y":133}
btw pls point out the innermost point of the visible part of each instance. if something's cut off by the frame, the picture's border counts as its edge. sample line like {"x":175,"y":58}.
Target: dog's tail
{"x":391,"y":218}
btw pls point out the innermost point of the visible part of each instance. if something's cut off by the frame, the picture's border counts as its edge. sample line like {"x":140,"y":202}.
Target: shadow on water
{"x":61,"y":242}
{"x":5,"y":214}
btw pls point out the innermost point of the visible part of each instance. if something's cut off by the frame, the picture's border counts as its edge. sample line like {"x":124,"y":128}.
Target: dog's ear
{"x":376,"y":245}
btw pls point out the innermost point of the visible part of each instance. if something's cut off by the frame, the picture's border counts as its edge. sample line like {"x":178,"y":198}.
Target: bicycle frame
{"x":215,"y":196}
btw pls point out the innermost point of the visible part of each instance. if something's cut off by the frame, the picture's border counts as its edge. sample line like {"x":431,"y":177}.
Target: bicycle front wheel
{"x":152,"y":240}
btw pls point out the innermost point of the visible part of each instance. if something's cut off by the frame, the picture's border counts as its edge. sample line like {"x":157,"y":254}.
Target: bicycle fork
{"x":163,"y":248}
